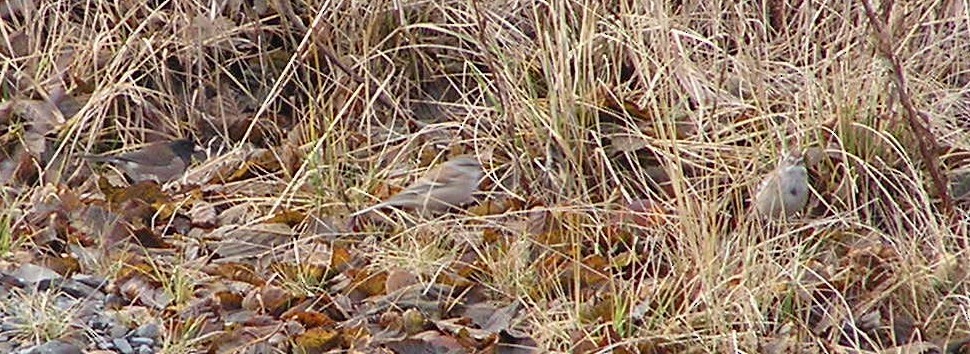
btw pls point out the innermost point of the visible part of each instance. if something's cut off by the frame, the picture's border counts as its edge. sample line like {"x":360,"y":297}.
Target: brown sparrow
{"x":160,"y":162}
{"x":449,"y":185}
{"x":784,"y":191}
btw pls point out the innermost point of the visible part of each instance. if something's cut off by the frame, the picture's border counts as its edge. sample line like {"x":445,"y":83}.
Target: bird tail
{"x":96,"y":158}
{"x":369,"y":209}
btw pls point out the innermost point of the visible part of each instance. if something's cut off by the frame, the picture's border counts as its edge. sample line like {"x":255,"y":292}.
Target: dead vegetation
{"x":620,"y":142}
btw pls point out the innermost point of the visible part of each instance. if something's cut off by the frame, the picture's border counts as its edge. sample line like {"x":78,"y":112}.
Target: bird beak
{"x":199,"y":153}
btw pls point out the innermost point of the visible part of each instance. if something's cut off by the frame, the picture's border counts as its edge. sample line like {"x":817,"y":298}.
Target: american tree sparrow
{"x":784,"y":191}
{"x":449,"y":185}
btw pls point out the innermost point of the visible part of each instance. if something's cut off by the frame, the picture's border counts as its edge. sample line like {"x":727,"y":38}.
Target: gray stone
{"x":114,"y":302}
{"x":148,"y":330}
{"x":80,"y":290}
{"x":9,"y":326}
{"x":88,"y":310}
{"x":31,"y":273}
{"x":106,"y":345}
{"x":141,"y":341}
{"x":97,"y":322}
{"x":56,"y":347}
{"x":90,"y":280}
{"x":65,"y":303}
{"x":117,"y":331}
{"x":123,"y":346}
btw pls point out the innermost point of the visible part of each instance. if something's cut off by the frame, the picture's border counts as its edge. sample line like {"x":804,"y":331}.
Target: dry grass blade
{"x":612,"y":155}
{"x":918,"y":121}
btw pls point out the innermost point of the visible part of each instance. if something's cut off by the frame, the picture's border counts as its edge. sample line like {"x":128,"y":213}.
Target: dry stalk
{"x":918,"y":121}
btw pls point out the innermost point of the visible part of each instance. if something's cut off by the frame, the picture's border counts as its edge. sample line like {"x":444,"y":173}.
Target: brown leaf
{"x":493,"y":207}
{"x":317,"y":340}
{"x":65,"y":265}
{"x":291,"y":158}
{"x":148,"y":238}
{"x":601,"y":310}
{"x":341,"y":258}
{"x":245,"y":339}
{"x":268,"y":298}
{"x":21,"y":168}
{"x":100,"y":224}
{"x":429,"y":342}
{"x":582,"y":342}
{"x":413,"y":321}
{"x":139,"y":288}
{"x":368,"y":284}
{"x":248,"y":243}
{"x":235,"y":271}
{"x":307,"y":272}
{"x":645,"y":213}
{"x":229,"y":300}
{"x":145,"y":192}
{"x":16,"y":43}
{"x":288,"y":217}
{"x":914,"y":348}
{"x":313,"y":319}
{"x":392,"y":323}
{"x":42,"y":116}
{"x":203,"y":214}
{"x":399,"y":278}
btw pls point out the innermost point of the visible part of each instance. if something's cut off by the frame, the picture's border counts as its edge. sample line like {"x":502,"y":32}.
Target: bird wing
{"x":411,"y":197}
{"x":96,"y":158}
{"x":151,"y":156}
{"x":417,"y":192}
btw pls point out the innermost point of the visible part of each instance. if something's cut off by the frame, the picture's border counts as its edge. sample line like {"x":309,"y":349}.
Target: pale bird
{"x":784,"y":191}
{"x":447,"y":186}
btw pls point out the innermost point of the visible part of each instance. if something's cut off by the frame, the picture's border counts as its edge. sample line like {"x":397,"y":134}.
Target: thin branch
{"x":918,"y":121}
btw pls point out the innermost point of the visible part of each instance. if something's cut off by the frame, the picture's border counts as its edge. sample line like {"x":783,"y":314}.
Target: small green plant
{"x":38,"y":317}
{"x":8,"y":243}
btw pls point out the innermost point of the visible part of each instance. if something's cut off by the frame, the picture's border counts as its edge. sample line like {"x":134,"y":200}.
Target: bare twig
{"x":382,"y":95}
{"x":918,"y":121}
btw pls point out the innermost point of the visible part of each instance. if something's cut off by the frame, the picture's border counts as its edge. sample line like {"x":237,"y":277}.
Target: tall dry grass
{"x":349,"y":95}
